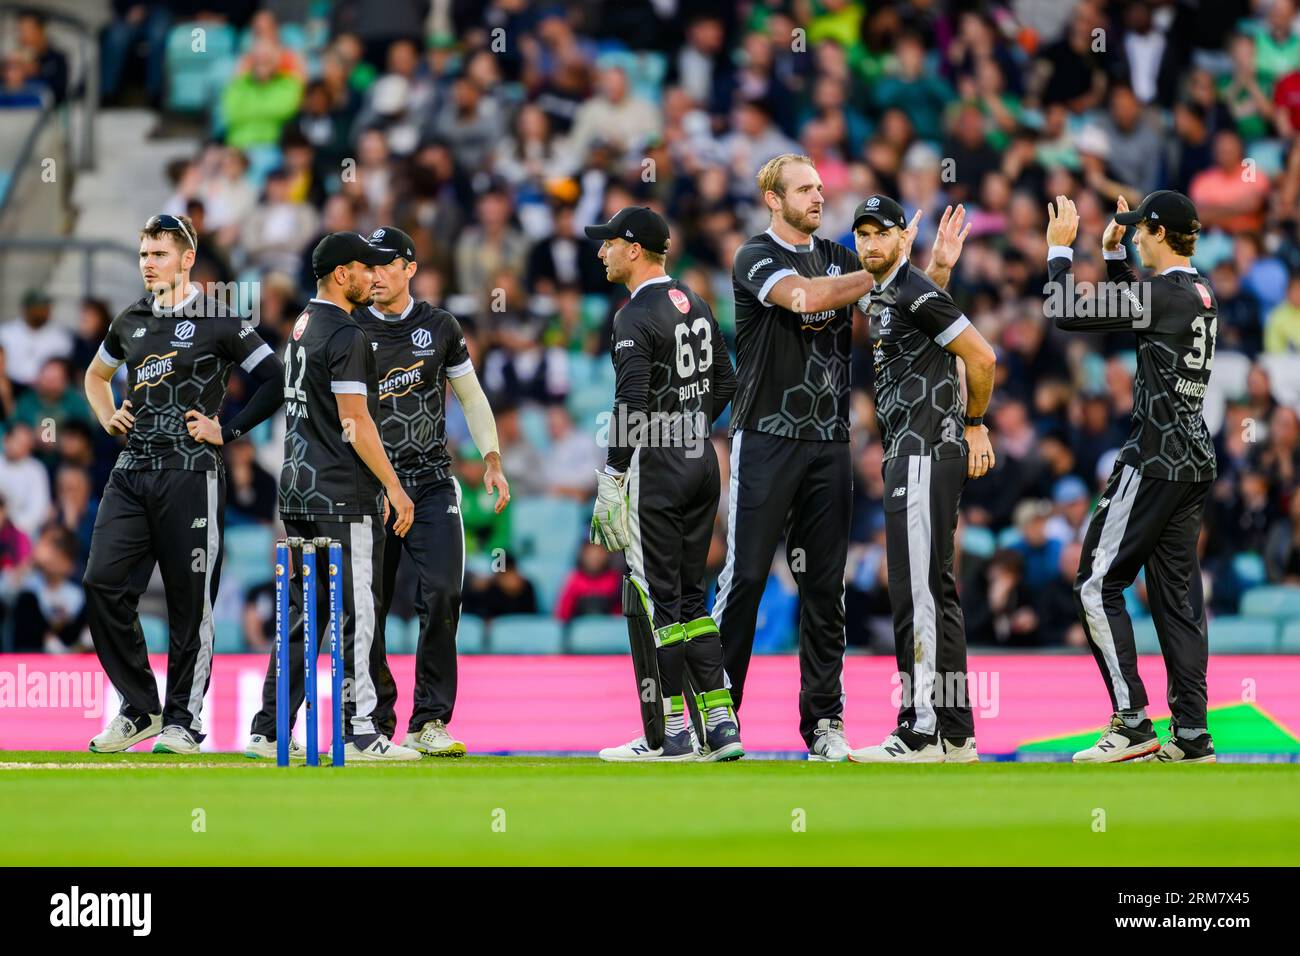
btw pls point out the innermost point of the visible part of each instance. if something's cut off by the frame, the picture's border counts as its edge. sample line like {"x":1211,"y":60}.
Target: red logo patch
{"x":1205,"y":293}
{"x":679,"y":299}
{"x":300,"y":327}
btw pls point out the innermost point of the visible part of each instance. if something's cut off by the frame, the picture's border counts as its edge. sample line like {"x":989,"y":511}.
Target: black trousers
{"x":921,"y":499}
{"x":436,"y":543}
{"x":173,"y":517}
{"x":363,"y":545}
{"x":804,"y":491}
{"x":1147,"y":522}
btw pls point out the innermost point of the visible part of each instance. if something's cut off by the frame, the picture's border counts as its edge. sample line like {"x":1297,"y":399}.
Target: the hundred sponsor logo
{"x":399,"y":381}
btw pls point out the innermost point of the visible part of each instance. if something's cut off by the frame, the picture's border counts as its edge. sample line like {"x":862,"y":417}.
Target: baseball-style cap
{"x":340,"y":248}
{"x":396,"y":239}
{"x":882,"y":210}
{"x":635,"y":224}
{"x":1164,"y":207}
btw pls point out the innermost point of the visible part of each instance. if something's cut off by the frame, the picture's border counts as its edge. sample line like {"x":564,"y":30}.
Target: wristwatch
{"x":974,"y":420}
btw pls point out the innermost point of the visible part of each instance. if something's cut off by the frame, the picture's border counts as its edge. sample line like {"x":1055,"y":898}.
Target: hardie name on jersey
{"x":1189,"y":388}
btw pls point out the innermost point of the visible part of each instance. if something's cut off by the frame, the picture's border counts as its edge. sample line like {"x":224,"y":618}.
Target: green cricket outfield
{"x":76,"y":809}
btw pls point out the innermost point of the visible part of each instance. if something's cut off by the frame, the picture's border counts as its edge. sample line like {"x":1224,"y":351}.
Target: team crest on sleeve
{"x":300,"y":327}
{"x":680,"y":300}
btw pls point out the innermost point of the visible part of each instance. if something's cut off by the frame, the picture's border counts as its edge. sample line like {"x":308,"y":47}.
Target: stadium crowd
{"x":493,"y":131}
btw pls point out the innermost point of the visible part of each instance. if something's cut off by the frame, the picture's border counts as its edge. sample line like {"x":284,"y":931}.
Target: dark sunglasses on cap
{"x":171,"y":224}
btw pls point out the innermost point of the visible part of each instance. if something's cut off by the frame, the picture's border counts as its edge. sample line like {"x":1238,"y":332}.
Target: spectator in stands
{"x":24,"y":482}
{"x":134,"y":24}
{"x":32,"y":341}
{"x":487,"y":247}
{"x":261,"y":99}
{"x":75,"y":508}
{"x":1282,"y":328}
{"x":1071,"y":502}
{"x":51,"y":65}
{"x":51,"y":403}
{"x":504,"y":591}
{"x":275,"y":233}
{"x":912,"y":87}
{"x":1230,"y":196}
{"x":1277,"y":45}
{"x":572,"y":458}
{"x":15,"y":547}
{"x":257,"y":617}
{"x":593,"y":587}
{"x":1002,"y":612}
{"x":48,"y":605}
{"x":19,"y":88}
{"x":485,"y":530}
{"x":250,"y":490}
{"x":470,"y":123}
{"x":521,"y":456}
{"x":616,"y":116}
{"x":1282,"y":552}
{"x":1039,"y":552}
{"x":1054,"y":605}
{"x":1135,"y":143}
{"x":90,"y":331}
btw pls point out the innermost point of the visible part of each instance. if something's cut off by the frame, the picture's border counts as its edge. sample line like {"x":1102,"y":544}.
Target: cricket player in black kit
{"x":933,"y":442}
{"x":165,"y":499}
{"x":658,"y":494}
{"x":418,"y":349}
{"x":333,"y":484}
{"x":1150,"y":515}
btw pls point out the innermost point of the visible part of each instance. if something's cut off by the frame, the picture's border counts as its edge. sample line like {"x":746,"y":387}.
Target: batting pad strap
{"x":674,"y":705}
{"x":670,"y":635}
{"x":700,"y":627}
{"x":714,"y":698}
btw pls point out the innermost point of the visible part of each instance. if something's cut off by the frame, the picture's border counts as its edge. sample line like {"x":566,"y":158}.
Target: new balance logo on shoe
{"x":895,"y":750}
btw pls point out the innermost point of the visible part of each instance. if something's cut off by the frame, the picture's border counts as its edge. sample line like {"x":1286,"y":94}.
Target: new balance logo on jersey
{"x":453,"y":509}
{"x":899,"y":492}
{"x":1103,"y":502}
{"x":138,"y":333}
{"x":199,"y":523}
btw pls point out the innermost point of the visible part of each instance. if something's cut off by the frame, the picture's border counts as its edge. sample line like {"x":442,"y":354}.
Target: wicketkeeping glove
{"x":609,"y":520}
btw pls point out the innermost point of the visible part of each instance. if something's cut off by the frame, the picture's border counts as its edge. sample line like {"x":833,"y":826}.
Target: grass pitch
{"x":223,"y":810}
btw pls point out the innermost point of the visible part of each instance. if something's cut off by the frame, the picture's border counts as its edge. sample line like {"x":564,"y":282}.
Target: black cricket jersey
{"x":792,"y":368}
{"x":415,"y":353}
{"x":327,"y":354}
{"x":918,"y":398}
{"x":671,"y":369}
{"x":1175,"y":316}
{"x":177,"y":359}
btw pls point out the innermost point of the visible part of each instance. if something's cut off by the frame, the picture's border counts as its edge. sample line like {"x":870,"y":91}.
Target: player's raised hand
{"x":949,"y":237}
{"x":1113,"y":237}
{"x":204,"y":430}
{"x":1062,"y":222}
{"x":494,"y":481}
{"x":122,"y":421}
{"x":909,"y":235}
{"x":401,"y":503}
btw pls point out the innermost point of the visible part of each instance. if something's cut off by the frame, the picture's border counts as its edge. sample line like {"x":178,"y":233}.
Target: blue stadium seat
{"x":527,"y":634}
{"x":532,"y":423}
{"x":1275,"y":600}
{"x":1249,"y":567}
{"x":1144,"y":634}
{"x":471,"y":635}
{"x":249,"y":554}
{"x":155,"y":633}
{"x":228,"y":637}
{"x":598,"y":634}
{"x":548,"y":576}
{"x":195,"y":78}
{"x":400,"y":637}
{"x":1243,"y":635}
{"x":977,"y":541}
{"x":479,"y":564}
{"x":547,"y":528}
{"x":1290,"y":642}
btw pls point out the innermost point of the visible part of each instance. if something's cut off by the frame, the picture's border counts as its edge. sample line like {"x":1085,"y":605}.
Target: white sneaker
{"x":895,"y":750}
{"x":434,"y":739}
{"x":1119,"y":743}
{"x":175,"y":740}
{"x":263,"y":748}
{"x":379,"y":750}
{"x":829,"y":743}
{"x":963,"y":753}
{"x":123,"y":733}
{"x":638,"y":751}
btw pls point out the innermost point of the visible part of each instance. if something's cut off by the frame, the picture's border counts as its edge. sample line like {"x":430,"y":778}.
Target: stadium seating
{"x":1243,"y":635}
{"x":1290,"y":640}
{"x":598,"y":634}
{"x":155,"y":633}
{"x":547,"y":576}
{"x":546,"y":527}
{"x":471,"y":635}
{"x":1144,"y":634}
{"x":195,"y":77}
{"x":1275,"y":601}
{"x":527,"y":634}
{"x":399,"y":636}
{"x":228,"y":637}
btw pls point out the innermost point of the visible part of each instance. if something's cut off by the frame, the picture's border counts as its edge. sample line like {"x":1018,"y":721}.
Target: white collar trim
{"x":655,"y":281}
{"x":410,"y":304}
{"x":190,"y":296}
{"x":785,"y":245}
{"x":1179,"y":269}
{"x":890,"y":278}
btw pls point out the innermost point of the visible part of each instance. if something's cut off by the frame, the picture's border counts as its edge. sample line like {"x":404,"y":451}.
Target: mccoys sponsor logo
{"x":152,"y":370}
{"x":400,"y":381}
